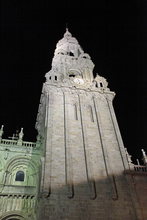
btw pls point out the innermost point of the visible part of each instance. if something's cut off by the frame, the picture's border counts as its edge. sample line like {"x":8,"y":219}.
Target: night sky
{"x":113,"y":34}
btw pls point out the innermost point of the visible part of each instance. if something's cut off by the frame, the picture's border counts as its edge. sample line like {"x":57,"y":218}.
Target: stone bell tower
{"x":83,"y":157}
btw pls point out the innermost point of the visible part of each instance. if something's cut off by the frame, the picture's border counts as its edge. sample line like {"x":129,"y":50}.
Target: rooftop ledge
{"x":137,"y":170}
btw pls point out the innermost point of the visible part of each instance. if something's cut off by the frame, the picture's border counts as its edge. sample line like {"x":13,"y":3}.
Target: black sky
{"x":114,"y":34}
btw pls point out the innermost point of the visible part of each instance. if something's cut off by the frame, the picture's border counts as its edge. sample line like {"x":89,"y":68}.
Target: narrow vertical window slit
{"x":91,"y":113}
{"x":75,"y":110}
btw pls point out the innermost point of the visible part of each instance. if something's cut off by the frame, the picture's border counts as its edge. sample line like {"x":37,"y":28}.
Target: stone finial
{"x":129,"y":158}
{"x":20,"y":137}
{"x":67,"y":33}
{"x":38,"y":143}
{"x":1,"y":131}
{"x":138,"y":163}
{"x":21,"y":134}
{"x":38,"y":138}
{"x":144,"y":156}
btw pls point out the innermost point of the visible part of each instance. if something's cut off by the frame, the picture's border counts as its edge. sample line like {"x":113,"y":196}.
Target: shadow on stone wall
{"x":112,"y":198}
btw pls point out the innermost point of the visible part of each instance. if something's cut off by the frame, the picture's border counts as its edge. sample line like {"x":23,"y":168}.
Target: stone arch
{"x":29,"y":166}
{"x":74,"y":72}
{"x":85,"y":55}
{"x":13,"y":216}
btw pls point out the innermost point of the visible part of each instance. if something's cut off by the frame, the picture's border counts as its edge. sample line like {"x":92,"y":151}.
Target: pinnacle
{"x":67,"y":33}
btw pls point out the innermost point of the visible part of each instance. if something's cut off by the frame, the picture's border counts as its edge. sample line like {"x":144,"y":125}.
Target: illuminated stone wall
{"x":85,"y":165}
{"x":19,"y":179}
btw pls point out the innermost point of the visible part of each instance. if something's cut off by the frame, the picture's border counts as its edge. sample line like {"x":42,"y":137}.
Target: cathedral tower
{"x":78,"y":169}
{"x":83,"y":157}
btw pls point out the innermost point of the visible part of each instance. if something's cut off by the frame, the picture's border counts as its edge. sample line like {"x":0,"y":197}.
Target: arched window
{"x":19,"y":176}
{"x":72,"y":75}
{"x":76,"y":112}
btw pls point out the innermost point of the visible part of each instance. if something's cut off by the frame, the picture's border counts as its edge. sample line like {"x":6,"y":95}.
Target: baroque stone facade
{"x":78,"y":168}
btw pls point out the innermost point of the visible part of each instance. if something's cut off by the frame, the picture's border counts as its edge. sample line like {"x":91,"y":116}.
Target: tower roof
{"x":67,"y":38}
{"x":68,"y":44}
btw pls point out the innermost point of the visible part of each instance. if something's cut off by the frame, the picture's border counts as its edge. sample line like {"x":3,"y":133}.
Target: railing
{"x":8,"y":142}
{"x":15,"y":142}
{"x":28,"y":144}
{"x":139,"y":168}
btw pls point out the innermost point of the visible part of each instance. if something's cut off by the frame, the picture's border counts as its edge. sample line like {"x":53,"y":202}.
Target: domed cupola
{"x":68,"y":45}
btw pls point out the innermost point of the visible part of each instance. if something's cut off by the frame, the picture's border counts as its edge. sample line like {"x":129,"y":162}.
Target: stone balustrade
{"x":28,"y":144}
{"x":7,"y":142}
{"x":139,"y":168}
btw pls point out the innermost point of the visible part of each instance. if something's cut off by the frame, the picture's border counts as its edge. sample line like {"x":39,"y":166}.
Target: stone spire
{"x":70,"y":59}
{"x":129,"y":159}
{"x":21,"y":134}
{"x":68,"y":45}
{"x":20,"y":137}
{"x":67,"y":33}
{"x":1,"y":132}
{"x":144,"y":157}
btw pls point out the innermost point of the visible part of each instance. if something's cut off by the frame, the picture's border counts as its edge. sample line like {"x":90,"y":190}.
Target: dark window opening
{"x":61,"y":53}
{"x":19,"y":176}
{"x":50,"y":77}
{"x":101,"y":84}
{"x":72,"y":75}
{"x":55,"y":77}
{"x":76,"y":112}
{"x":91,"y":113}
{"x":96,"y":85}
{"x":71,"y":54}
